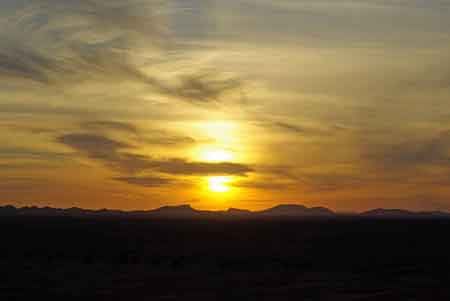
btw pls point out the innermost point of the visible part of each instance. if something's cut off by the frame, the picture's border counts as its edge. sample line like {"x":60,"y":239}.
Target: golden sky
{"x":134,"y":104}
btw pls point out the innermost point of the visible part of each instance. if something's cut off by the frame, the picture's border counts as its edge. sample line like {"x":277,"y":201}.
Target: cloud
{"x":290,"y":128}
{"x":20,"y":183}
{"x":46,"y":39}
{"x":168,"y":140}
{"x":145,"y":181}
{"x":263,"y":185}
{"x":36,"y":130}
{"x":19,"y":62}
{"x":113,"y":153}
{"x":338,"y":181}
{"x":27,"y":108}
{"x":183,"y":167}
{"x":110,"y":125}
{"x":301,"y":130}
{"x":95,"y":146}
{"x":412,"y":153}
{"x":64,"y":43}
{"x":26,"y":153}
{"x":148,"y":136}
{"x":204,"y":87}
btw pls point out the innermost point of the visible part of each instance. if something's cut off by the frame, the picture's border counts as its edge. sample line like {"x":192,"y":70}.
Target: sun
{"x":219,"y":184}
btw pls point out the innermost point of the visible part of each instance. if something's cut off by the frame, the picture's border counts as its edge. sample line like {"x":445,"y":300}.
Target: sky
{"x":136,"y":104}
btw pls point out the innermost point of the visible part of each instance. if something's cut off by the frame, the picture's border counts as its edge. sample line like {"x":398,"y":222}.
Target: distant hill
{"x":399,"y":213}
{"x":175,"y":211}
{"x":380,"y":212}
{"x":238,"y":212}
{"x":295,"y":210}
{"x":48,"y":211}
{"x":186,"y":211}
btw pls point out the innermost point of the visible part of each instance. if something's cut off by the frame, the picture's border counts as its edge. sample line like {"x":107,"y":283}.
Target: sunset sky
{"x":135,"y":104}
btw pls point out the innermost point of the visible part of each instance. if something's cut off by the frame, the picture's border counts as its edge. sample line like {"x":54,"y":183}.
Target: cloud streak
{"x":47,"y":39}
{"x":62,"y":43}
{"x":116,"y":155}
{"x":433,"y":150}
{"x":148,"y":182}
{"x":110,"y":125}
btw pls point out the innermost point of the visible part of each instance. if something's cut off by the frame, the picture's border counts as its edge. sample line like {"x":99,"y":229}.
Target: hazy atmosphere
{"x":136,"y":104}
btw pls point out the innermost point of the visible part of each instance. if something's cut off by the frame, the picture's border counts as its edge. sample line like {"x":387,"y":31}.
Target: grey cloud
{"x":183,"y":167}
{"x":415,"y":162}
{"x":133,"y":162}
{"x":290,"y":127}
{"x":95,"y":146}
{"x":145,"y":181}
{"x":24,"y":63}
{"x":318,"y":129}
{"x":169,"y":140}
{"x":110,"y":125}
{"x":302,"y":130}
{"x":412,"y":153}
{"x":108,"y":151}
{"x":204,"y":87}
{"x":112,"y":153}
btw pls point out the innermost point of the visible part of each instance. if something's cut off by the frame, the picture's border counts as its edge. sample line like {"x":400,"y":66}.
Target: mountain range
{"x":186,"y":211}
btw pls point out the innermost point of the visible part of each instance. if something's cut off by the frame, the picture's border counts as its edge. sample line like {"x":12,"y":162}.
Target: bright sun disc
{"x":219,"y":184}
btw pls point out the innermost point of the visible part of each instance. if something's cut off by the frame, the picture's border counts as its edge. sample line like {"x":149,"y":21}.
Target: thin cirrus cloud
{"x":47,"y":38}
{"x":147,"y":136}
{"x":113,"y":153}
{"x":300,"y":129}
{"x":62,"y":43}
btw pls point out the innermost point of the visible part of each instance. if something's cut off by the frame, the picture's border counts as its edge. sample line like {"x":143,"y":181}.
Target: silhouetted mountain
{"x":238,"y":212}
{"x":296,"y":210}
{"x":437,"y":213}
{"x":175,"y":211}
{"x":8,"y":210}
{"x":186,"y":211}
{"x":48,"y":211}
{"x":399,"y":213}
{"x":380,"y":212}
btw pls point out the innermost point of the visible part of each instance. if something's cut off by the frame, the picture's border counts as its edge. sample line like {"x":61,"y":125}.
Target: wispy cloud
{"x":147,"y":136}
{"x":110,"y":125}
{"x":50,"y":41}
{"x":308,"y":131}
{"x":118,"y":156}
{"x":63,"y":43}
{"x":431,"y":151}
{"x":145,"y":181}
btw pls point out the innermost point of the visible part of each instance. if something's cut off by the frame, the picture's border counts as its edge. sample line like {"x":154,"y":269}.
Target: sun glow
{"x":219,"y":184}
{"x":223,"y":132}
{"x":216,"y":155}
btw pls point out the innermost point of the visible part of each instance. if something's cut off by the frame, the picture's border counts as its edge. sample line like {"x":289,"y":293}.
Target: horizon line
{"x":225,"y":210}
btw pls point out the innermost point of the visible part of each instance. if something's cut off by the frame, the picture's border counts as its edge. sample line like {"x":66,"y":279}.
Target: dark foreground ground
{"x":120,"y":259}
